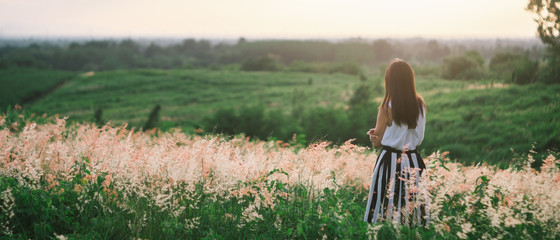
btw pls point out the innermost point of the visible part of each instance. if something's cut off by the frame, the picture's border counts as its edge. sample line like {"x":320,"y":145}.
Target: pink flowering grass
{"x":87,"y":182}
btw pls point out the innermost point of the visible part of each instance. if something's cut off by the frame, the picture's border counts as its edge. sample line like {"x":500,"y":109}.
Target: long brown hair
{"x":400,"y":90}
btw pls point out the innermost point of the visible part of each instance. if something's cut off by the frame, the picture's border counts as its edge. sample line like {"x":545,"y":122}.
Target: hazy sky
{"x":267,"y":18}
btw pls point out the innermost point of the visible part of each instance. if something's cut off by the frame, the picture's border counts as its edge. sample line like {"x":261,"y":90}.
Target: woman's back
{"x":401,"y":137}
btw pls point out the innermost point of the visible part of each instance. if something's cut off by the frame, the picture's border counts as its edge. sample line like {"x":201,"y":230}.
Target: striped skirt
{"x":389,"y":198}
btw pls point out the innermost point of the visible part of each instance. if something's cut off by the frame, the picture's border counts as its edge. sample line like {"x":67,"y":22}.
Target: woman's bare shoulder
{"x":386,"y":114}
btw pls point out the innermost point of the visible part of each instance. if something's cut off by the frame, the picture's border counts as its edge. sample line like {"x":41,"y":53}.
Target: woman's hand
{"x":372,"y":137}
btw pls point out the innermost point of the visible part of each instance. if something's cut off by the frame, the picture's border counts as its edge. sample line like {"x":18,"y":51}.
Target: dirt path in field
{"x":40,"y":94}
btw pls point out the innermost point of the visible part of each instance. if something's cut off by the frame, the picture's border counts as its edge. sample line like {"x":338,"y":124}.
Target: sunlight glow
{"x":267,"y":18}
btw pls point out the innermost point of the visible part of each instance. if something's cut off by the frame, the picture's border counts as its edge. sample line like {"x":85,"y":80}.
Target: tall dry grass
{"x":252,"y":185}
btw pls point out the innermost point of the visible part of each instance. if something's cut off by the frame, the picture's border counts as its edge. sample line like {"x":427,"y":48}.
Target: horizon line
{"x":278,"y":37}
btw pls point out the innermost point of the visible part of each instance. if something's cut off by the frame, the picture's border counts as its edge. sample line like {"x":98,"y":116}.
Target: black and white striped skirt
{"x":389,"y":198}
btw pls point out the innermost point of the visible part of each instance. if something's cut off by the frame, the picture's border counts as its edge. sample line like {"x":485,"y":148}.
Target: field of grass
{"x":488,"y":124}
{"x":477,"y":121}
{"x":24,"y":85}
{"x":186,"y":96}
{"x":83,"y":182}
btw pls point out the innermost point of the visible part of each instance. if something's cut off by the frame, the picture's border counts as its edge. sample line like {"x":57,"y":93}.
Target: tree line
{"x":99,"y":55}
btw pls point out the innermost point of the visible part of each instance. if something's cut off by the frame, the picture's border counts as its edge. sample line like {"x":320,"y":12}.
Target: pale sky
{"x":267,"y":18}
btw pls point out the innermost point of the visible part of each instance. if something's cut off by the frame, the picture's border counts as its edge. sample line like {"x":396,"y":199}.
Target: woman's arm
{"x":380,"y":126}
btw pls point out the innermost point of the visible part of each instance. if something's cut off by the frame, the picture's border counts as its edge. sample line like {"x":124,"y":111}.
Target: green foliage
{"x":361,"y":96}
{"x":550,"y":71}
{"x":153,"y":119}
{"x":387,"y":231}
{"x":332,"y":124}
{"x":298,"y":102}
{"x":225,"y":120}
{"x":347,"y":68}
{"x":253,"y":121}
{"x":260,"y":64}
{"x":515,"y":67}
{"x":548,"y":20}
{"x":504,"y":62}
{"x":326,"y":124}
{"x":525,"y":72}
{"x":98,"y":117}
{"x":315,"y":124}
{"x":464,"y":67}
{"x":548,"y":17}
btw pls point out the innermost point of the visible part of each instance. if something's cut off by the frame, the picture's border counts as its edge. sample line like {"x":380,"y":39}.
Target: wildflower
{"x":446,"y":228}
{"x":251,"y":213}
{"x":107,"y":181}
{"x":278,"y":223}
{"x":7,"y":207}
{"x":511,"y":221}
{"x":192,"y":223}
{"x":60,"y":237}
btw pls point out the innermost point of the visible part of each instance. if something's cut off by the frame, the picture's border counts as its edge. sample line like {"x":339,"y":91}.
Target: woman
{"x":399,"y":130}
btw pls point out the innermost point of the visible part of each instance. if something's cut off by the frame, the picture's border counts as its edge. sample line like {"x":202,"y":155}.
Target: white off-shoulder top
{"x":400,"y":137}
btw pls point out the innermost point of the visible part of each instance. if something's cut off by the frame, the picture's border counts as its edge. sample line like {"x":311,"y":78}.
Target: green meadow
{"x":186,"y":96}
{"x":476,"y":121}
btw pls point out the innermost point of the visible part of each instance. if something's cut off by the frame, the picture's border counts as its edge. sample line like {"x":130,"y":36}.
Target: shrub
{"x":503,"y":62}
{"x":153,"y":119}
{"x":260,"y":64}
{"x":98,"y":117}
{"x":347,"y":68}
{"x":327,"y":124}
{"x":515,"y":67}
{"x":466,"y":66}
{"x":253,"y":121}
{"x":225,"y":121}
{"x":525,"y":72}
{"x":361,"y":96}
{"x":550,"y":71}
